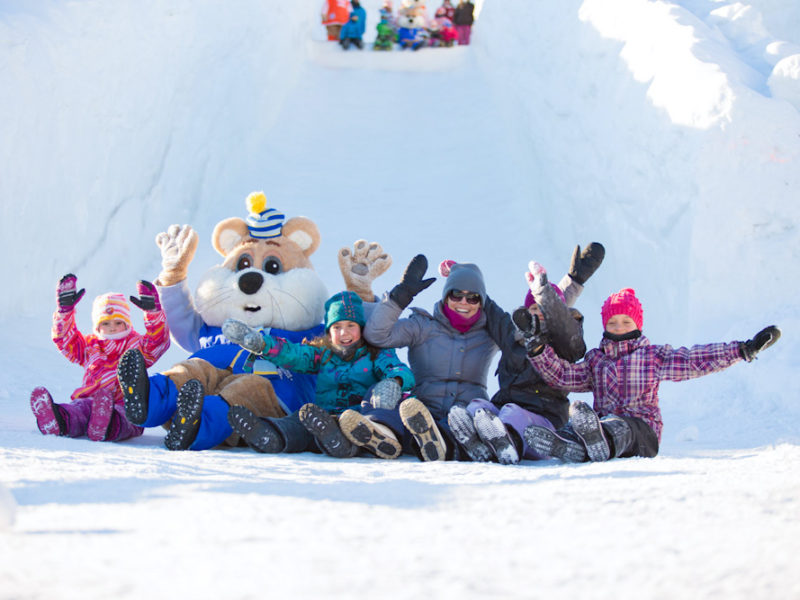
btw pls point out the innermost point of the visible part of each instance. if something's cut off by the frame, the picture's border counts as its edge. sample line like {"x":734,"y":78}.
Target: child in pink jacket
{"x":97,"y":408}
{"x":624,"y":374}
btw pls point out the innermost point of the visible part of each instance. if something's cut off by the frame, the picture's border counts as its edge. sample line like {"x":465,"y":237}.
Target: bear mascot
{"x":266,"y":280}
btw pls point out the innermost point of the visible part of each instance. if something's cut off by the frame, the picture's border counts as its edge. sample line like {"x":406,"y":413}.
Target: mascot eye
{"x":245,"y":262}
{"x":272,"y":265}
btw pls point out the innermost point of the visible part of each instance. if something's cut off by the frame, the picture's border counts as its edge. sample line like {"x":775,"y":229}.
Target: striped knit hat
{"x":344,"y":306}
{"x":110,"y":306}
{"x":263,"y":222}
{"x":624,"y":302}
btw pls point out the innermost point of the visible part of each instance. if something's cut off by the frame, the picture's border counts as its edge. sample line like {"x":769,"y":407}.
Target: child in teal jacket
{"x":356,"y":380}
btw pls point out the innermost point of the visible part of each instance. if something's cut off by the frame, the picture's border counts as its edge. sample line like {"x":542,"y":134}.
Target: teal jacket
{"x":341,"y":384}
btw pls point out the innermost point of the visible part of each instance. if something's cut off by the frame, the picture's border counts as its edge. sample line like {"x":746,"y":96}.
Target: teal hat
{"x":344,"y":306}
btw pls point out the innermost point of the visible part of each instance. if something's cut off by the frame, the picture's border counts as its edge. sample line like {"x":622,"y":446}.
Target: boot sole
{"x":135,"y":385}
{"x":100,"y":419}
{"x":324,"y":428}
{"x":186,"y":421}
{"x":465,"y":434}
{"x":494,"y":434}
{"x":258,"y":434}
{"x":547,"y":443}
{"x":360,"y":431}
{"x":48,"y":419}
{"x":420,"y":423}
{"x":586,"y":424}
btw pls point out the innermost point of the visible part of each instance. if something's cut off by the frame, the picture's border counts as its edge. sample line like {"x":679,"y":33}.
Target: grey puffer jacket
{"x":449,"y":366}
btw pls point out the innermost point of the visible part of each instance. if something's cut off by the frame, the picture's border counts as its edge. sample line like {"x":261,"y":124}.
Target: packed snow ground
{"x":669,"y":131}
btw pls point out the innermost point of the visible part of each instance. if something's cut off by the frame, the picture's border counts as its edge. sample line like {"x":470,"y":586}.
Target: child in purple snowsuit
{"x":97,"y":408}
{"x":624,"y":375}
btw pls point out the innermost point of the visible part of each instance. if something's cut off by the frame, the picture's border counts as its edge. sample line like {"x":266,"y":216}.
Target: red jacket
{"x":336,"y":12}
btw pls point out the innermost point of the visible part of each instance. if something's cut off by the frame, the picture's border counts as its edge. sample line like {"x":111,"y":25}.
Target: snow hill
{"x":668,"y":131}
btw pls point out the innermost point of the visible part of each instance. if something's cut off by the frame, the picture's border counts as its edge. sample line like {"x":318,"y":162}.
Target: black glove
{"x":412,"y":283}
{"x":67,"y":293}
{"x":761,"y":341}
{"x":148,"y":296}
{"x":585,"y":263}
{"x":531,"y":330}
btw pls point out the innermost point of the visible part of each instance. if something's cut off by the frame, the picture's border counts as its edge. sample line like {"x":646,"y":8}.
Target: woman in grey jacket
{"x":449,"y":351}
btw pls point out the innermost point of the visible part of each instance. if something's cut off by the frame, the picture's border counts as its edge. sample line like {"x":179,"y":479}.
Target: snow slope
{"x":669,"y":131}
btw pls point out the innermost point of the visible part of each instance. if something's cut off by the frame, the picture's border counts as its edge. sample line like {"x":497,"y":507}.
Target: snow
{"x":668,"y":131}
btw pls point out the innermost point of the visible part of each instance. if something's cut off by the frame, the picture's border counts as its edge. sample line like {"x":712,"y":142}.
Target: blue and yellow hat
{"x":263,"y":222}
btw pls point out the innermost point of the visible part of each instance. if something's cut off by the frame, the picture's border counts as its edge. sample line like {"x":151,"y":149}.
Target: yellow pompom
{"x":256,"y":202}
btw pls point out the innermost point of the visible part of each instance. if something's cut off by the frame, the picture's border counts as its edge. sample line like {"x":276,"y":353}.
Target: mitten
{"x":248,"y":338}
{"x":761,"y":341}
{"x":361,"y":266}
{"x":585,"y":263}
{"x":412,"y":283}
{"x":385,"y":394}
{"x":178,"y":245}
{"x":536,"y":277}
{"x":148,"y":299}
{"x":531,"y":330}
{"x":67,"y":293}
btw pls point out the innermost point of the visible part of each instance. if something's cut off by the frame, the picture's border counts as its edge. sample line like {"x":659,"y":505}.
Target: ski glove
{"x":412,"y":282}
{"x":761,"y":341}
{"x":148,"y":299}
{"x":531,"y":330}
{"x":67,"y":293}
{"x":537,"y":278}
{"x":248,"y":338}
{"x":585,"y":263}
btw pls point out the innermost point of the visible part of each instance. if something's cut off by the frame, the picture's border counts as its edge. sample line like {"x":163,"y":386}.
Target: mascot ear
{"x":228,"y":234}
{"x":303,"y":232}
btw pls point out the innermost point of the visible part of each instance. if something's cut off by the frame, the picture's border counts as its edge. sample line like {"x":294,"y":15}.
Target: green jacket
{"x":341,"y":384}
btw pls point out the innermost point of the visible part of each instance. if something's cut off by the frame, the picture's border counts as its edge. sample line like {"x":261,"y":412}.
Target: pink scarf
{"x":459,"y":321}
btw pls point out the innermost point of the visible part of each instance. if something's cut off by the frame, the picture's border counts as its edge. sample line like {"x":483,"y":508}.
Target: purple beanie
{"x":529,"y":301}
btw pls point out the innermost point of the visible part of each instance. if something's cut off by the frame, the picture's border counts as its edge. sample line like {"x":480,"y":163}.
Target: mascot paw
{"x":361,"y":266}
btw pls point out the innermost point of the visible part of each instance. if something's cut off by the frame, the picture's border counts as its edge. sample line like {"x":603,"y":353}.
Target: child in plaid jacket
{"x":624,"y":375}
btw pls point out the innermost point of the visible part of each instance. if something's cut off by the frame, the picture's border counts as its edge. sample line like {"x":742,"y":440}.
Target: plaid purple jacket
{"x":624,"y":376}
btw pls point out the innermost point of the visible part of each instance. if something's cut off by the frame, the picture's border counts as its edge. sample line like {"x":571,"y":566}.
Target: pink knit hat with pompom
{"x":624,"y":302}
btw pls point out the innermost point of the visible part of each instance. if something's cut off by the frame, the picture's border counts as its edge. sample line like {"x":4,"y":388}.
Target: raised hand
{"x":241,"y":333}
{"x":67,"y":293}
{"x":584,"y":264}
{"x":412,"y":283}
{"x":761,"y":341}
{"x":361,"y":266}
{"x":147,"y":299}
{"x":531,"y":330}
{"x":536,"y":277}
{"x":178,"y":245}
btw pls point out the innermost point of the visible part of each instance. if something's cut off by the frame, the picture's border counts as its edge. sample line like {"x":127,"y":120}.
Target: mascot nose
{"x":251,"y":282}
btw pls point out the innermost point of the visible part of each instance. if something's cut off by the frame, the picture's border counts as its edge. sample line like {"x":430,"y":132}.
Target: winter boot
{"x":257,"y":432}
{"x":495,"y":435}
{"x":49,"y":418}
{"x":132,"y":376}
{"x":186,"y":421}
{"x":385,"y":394}
{"x":463,"y":429}
{"x":563,"y":444}
{"x":100,"y":419}
{"x":419,"y":422}
{"x":375,"y":437}
{"x":587,"y":425}
{"x":619,"y":433}
{"x":325,"y":430}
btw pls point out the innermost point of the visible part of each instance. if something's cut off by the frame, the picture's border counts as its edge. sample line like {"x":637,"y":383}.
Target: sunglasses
{"x":470,"y":297}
